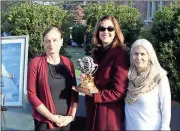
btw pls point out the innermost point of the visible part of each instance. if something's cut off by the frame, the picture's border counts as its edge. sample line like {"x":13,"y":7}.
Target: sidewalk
{"x":21,"y":119}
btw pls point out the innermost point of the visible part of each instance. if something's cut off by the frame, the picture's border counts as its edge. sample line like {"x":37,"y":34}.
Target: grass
{"x":77,"y":72}
{"x":75,"y":53}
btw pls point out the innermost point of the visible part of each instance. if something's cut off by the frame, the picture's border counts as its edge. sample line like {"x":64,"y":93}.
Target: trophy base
{"x":85,"y":88}
{"x":88,"y":85}
{"x":87,"y":82}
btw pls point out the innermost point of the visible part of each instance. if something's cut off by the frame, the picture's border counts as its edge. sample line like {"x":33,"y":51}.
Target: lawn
{"x":75,"y":53}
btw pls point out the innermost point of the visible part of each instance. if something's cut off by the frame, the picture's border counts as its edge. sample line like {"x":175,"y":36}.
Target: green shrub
{"x":88,"y":46}
{"x":66,"y":23}
{"x":166,"y":32}
{"x":6,"y":5}
{"x":128,"y":18}
{"x":147,"y":35}
{"x":78,"y":33}
{"x":32,"y":19}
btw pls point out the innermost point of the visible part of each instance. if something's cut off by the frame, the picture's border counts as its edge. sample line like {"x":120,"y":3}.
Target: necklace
{"x":54,"y":61}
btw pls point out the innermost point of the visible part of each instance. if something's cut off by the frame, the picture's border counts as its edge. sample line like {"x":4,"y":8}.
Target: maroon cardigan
{"x":105,"y":110}
{"x":37,"y":77}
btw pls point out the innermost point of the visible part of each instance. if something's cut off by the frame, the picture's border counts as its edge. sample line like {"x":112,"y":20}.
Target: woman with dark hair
{"x":105,"y":108}
{"x":50,"y":80}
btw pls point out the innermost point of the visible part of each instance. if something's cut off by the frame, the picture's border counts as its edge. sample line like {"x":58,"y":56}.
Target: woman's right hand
{"x":57,"y":119}
{"x":86,"y":91}
{"x":66,"y":121}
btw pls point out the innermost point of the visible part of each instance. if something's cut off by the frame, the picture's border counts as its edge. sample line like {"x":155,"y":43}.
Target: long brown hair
{"x":119,"y":37}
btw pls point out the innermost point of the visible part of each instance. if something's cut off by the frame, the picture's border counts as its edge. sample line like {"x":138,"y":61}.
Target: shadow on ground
{"x":175,"y":117}
{"x":21,"y":119}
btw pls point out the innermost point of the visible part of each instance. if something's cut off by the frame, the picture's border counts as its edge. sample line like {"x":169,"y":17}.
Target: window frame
{"x":151,"y":9}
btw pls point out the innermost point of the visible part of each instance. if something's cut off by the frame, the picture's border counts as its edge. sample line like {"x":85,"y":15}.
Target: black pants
{"x":43,"y":126}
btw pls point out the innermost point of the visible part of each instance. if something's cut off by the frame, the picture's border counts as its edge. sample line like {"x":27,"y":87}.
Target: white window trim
{"x":149,"y":19}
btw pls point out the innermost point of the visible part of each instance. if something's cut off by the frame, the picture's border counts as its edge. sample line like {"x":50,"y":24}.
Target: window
{"x":130,"y":3}
{"x":157,"y":5}
{"x":152,"y":7}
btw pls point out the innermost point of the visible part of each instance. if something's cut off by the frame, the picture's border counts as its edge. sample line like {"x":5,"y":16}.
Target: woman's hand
{"x":86,"y":91}
{"x":57,"y":119}
{"x":66,"y":121}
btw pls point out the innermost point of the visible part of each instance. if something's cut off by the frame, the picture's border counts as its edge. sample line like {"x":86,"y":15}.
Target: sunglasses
{"x":109,"y":28}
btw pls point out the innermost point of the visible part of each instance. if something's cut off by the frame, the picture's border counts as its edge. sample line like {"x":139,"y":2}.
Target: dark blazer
{"x":105,"y":110}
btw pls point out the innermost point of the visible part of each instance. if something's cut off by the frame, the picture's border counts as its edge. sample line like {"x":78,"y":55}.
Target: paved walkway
{"x":21,"y":119}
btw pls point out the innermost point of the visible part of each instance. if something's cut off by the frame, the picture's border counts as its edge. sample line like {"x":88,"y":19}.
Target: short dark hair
{"x":51,"y":28}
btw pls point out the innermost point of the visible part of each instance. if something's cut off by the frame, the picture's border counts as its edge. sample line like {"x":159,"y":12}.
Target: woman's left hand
{"x":86,"y":91}
{"x":66,"y":121}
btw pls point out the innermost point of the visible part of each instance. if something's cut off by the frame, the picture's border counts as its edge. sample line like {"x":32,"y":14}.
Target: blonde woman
{"x":148,"y":99}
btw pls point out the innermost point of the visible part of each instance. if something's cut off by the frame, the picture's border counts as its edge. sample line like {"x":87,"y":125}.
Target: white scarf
{"x":148,"y":79}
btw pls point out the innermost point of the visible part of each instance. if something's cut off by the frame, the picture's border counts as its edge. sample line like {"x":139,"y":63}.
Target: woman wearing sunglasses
{"x":105,"y":109}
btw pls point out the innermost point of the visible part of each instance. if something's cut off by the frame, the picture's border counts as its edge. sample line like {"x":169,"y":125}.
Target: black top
{"x":100,"y":52}
{"x":60,"y":84}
